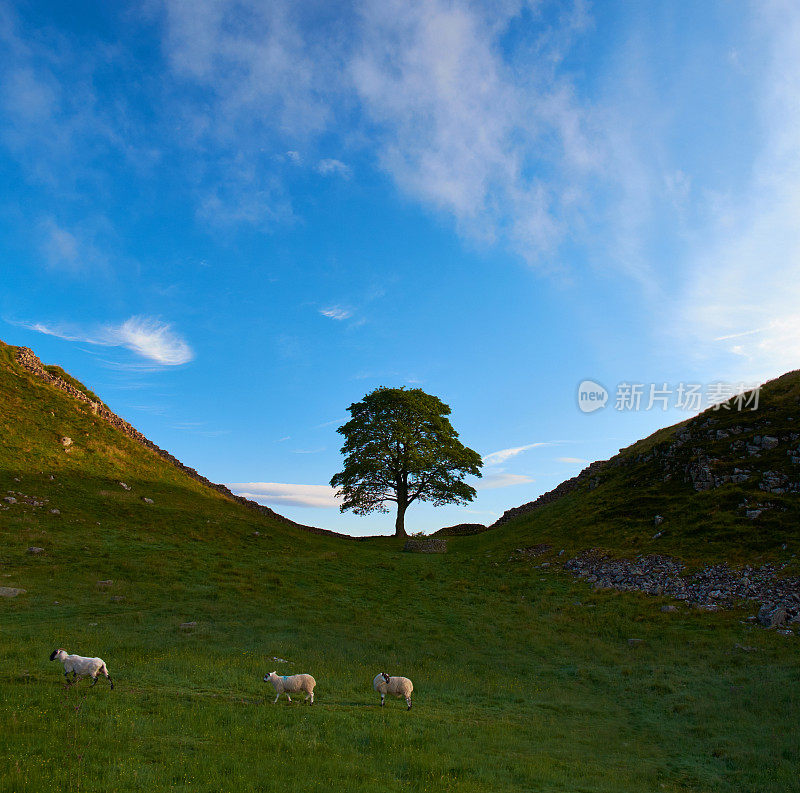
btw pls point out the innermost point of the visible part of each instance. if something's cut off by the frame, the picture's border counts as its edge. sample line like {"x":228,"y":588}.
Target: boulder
{"x":10,"y":591}
{"x":772,"y":616}
{"x":35,"y":550}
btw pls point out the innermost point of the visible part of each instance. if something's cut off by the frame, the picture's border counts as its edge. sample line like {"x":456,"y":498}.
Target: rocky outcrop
{"x":27,"y":359}
{"x":719,"y":447}
{"x":714,"y":586}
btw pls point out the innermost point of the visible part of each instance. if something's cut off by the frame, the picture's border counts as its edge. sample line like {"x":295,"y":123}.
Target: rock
{"x":658,"y":520}
{"x":117,"y":598}
{"x":66,"y":442}
{"x":35,"y":550}
{"x":107,"y":582}
{"x":669,"y":609}
{"x":256,"y":534}
{"x":188,"y":625}
{"x":769,"y":442}
{"x":425,"y":545}
{"x":635,"y":642}
{"x":10,"y":591}
{"x":147,"y":500}
{"x":10,"y":499}
{"x":124,"y":486}
{"x":744,"y":648}
{"x":771,"y":616}
{"x":658,"y":534}
{"x":753,"y":513}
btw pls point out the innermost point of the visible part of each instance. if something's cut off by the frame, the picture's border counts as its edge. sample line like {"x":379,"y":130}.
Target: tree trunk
{"x":399,"y":524}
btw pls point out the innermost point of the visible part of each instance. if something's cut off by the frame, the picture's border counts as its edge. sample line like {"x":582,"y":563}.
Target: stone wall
{"x":425,"y":545}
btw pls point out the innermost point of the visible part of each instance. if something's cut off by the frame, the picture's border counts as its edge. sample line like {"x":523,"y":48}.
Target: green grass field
{"x":524,"y":678}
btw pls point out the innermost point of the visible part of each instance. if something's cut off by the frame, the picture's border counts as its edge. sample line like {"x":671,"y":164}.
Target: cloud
{"x":150,"y":338}
{"x":497,"y":458}
{"x":333,"y":168}
{"x":320,"y":496}
{"x":495,"y":481}
{"x":73,"y":250}
{"x":737,"y":310}
{"x":461,"y":103}
{"x":464,"y":130}
{"x":571,"y":460}
{"x":336,"y":312}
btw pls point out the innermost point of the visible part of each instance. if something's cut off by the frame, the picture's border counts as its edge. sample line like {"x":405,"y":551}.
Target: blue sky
{"x":233,"y":219}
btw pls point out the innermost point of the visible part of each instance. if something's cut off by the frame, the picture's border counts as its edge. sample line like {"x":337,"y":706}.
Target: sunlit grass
{"x":524,"y":678}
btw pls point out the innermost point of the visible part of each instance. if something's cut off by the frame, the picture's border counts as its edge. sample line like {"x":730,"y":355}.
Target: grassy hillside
{"x":714,"y":480}
{"x":524,"y":680}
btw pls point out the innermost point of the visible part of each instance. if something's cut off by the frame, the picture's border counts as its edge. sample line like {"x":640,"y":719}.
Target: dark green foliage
{"x":400,"y":447}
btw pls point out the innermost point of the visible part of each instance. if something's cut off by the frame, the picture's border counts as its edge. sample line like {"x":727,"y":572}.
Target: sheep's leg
{"x":383,"y":699}
{"x":288,"y":697}
{"x":408,"y":702}
{"x":108,"y":677}
{"x":276,"y":698}
{"x":310,"y":696}
{"x":94,"y":681}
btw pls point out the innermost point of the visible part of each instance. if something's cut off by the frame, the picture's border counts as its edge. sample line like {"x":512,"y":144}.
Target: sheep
{"x":80,"y":666}
{"x":399,"y":686}
{"x":292,"y":683}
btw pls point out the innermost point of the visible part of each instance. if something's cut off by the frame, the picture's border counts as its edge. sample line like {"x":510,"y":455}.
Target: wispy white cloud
{"x":147,"y":337}
{"x":336,"y":312}
{"x":277,"y":493}
{"x":461,"y":129}
{"x":429,"y":92}
{"x":495,"y":481}
{"x":571,"y":460}
{"x":499,"y":457}
{"x":737,"y":311}
{"x":333,"y":168}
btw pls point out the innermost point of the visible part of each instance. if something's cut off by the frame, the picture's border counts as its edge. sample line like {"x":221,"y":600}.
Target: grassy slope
{"x":518,"y":687}
{"x":618,"y":514}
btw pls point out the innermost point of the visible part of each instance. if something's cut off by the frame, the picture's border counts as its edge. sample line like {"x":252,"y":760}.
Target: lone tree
{"x":400,"y":446}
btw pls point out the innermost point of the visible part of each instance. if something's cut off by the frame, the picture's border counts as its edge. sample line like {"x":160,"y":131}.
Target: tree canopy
{"x":400,"y":447}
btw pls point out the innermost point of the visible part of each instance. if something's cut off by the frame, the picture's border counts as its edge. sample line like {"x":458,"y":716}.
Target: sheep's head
{"x":57,"y":654}
{"x":385,"y":676}
{"x":268,"y":677}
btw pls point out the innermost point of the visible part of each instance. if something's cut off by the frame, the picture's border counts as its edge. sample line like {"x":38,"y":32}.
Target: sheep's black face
{"x":53,"y":655}
{"x":385,"y":676}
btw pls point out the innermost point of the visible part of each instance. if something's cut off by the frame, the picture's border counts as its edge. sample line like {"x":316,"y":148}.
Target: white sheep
{"x":399,"y":686}
{"x":292,"y":683}
{"x":80,"y":666}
